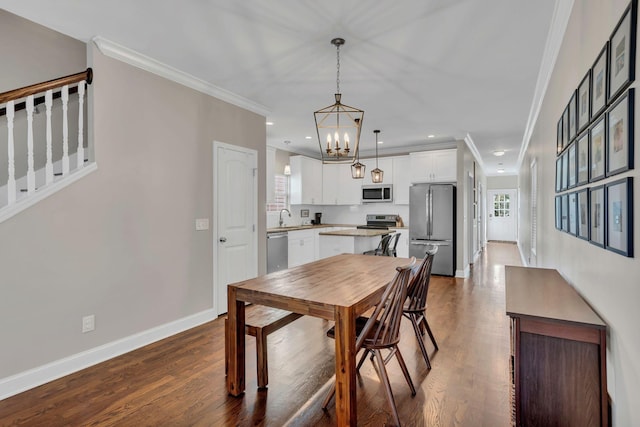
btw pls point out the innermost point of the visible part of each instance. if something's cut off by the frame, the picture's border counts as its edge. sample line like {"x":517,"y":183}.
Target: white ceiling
{"x":416,"y":67}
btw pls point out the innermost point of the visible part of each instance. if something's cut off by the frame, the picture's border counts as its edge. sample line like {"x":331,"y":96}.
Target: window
{"x":501,"y":205}
{"x":280,"y":194}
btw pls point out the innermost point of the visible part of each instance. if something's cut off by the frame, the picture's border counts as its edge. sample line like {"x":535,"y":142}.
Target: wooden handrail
{"x":45,"y":86}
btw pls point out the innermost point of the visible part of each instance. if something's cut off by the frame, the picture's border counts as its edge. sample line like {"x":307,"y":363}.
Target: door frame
{"x":254,"y":155}
{"x":515,"y":208}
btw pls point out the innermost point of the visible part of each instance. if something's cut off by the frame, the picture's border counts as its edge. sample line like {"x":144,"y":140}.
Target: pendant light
{"x":377,"y":174}
{"x":357,"y":168}
{"x":340,"y":123}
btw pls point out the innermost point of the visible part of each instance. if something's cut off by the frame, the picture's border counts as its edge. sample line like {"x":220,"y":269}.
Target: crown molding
{"x":139,"y":60}
{"x":474,"y":150}
{"x":559,"y":22}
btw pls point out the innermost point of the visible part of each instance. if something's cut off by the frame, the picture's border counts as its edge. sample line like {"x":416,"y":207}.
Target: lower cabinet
{"x":302,"y":247}
{"x":402,"y":249}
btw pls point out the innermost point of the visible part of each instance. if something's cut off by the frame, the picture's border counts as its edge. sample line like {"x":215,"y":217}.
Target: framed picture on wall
{"x":573,"y":209}
{"x":584,"y":102}
{"x":565,"y":127}
{"x":571,"y":154}
{"x":619,"y":218}
{"x":572,"y":117}
{"x":596,"y":215}
{"x":582,"y":154}
{"x":565,"y":171}
{"x":559,"y":136}
{"x":599,"y":80}
{"x":620,"y":135}
{"x":559,"y":212}
{"x":622,"y":55}
{"x":564,"y":210}
{"x":583,"y":214}
{"x":558,"y":174}
{"x":597,"y":151}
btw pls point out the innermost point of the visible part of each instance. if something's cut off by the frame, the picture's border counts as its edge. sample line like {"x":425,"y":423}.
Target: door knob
{"x":223,"y":239}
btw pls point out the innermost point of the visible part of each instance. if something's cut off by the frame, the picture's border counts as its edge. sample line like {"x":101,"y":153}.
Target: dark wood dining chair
{"x":393,"y":244}
{"x":416,"y":304}
{"x":382,"y":248}
{"x":382,"y":331}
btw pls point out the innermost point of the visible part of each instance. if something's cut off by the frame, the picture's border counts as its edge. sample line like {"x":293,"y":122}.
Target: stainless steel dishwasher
{"x":277,"y":251}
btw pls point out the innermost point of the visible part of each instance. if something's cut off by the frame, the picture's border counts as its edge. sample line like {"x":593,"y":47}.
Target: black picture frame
{"x":565,"y":128}
{"x":583,"y":214}
{"x":565,"y":171}
{"x":599,"y":82}
{"x":620,"y":118}
{"x":622,"y":52}
{"x":619,"y":216}
{"x":573,"y":117}
{"x":559,"y":142}
{"x":559,"y":213}
{"x":564,"y":211}
{"x":573,"y":211}
{"x":597,"y":216}
{"x":582,"y":159}
{"x":558,"y":174}
{"x":571,"y":160}
{"x":597,"y":149}
{"x":584,"y":102}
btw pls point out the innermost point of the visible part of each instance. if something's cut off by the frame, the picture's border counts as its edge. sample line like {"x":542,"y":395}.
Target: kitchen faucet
{"x":281,"y":222}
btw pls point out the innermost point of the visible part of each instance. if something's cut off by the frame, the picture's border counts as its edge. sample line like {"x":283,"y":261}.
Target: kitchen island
{"x":352,"y":241}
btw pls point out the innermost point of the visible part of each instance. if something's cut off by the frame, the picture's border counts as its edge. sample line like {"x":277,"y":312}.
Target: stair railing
{"x":29,"y":98}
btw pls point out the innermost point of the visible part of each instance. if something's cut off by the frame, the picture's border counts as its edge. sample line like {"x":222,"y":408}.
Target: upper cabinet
{"x":401,"y":180}
{"x":384,"y":163}
{"x":306,"y":180}
{"x":434,"y":166}
{"x":338,"y":188}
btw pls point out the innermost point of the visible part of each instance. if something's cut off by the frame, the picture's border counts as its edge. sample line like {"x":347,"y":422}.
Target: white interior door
{"x":502,"y":214}
{"x":235,"y":225}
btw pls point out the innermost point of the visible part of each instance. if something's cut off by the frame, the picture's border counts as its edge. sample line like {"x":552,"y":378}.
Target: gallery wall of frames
{"x":595,"y":141}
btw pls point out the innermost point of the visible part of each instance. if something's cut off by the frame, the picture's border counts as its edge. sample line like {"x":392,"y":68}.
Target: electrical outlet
{"x":202,"y":224}
{"x":88,"y":323}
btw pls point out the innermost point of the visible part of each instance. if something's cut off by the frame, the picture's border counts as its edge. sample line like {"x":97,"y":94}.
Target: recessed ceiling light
{"x":269,"y":123}
{"x":498,"y":153}
{"x":307,"y":137}
{"x":380,"y":142}
{"x":287,"y":142}
{"x":500,"y":170}
{"x":431,"y":136}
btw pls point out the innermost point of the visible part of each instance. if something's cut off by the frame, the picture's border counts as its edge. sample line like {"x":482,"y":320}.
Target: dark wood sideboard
{"x":558,"y":348}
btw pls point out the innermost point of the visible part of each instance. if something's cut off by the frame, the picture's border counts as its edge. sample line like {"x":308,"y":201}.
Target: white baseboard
{"x":26,"y":380}
{"x":463,"y":274}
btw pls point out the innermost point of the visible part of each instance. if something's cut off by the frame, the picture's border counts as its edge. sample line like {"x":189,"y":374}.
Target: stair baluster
{"x":65,"y":130}
{"x":11,"y":183}
{"x":48,"y":102}
{"x":80,"y":152}
{"x":31,"y":173}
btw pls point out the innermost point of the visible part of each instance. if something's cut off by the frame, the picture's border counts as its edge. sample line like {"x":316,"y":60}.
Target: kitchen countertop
{"x":356,"y":232}
{"x":304,"y":227}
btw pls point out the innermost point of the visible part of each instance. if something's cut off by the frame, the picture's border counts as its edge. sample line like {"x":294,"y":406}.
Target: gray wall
{"x":609,"y":282}
{"x":120,"y":243}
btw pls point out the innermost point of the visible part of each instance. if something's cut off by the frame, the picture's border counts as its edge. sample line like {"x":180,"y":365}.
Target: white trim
{"x":474,"y":150}
{"x":26,"y":380}
{"x":522,"y":257}
{"x":41,"y":194}
{"x":464,"y":273}
{"x":559,"y":22}
{"x":139,"y":60}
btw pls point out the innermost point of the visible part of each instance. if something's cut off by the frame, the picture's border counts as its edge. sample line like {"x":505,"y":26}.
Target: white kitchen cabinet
{"x":306,"y":180}
{"x":401,"y":180}
{"x":433,"y":166}
{"x":338,"y":188}
{"x":302,"y":247}
{"x":384,"y":163}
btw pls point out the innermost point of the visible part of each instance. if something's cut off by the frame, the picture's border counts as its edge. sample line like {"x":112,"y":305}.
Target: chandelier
{"x":338,"y":125}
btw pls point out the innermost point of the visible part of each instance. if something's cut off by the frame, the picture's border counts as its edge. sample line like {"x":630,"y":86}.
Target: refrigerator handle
{"x":430,"y":206}
{"x":427,"y":213}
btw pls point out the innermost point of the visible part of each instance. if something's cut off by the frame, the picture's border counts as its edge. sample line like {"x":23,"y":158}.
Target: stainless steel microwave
{"x":377,"y":193}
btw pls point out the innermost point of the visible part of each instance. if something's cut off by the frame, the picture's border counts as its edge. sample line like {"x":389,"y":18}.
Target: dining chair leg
{"x":405,"y":371}
{"x":387,"y":385}
{"x":433,"y":340}
{"x":416,"y":329}
{"x":362,"y":359}
{"x":330,"y":393}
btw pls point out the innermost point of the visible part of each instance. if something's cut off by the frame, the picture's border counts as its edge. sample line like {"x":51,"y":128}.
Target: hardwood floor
{"x":180,"y":381}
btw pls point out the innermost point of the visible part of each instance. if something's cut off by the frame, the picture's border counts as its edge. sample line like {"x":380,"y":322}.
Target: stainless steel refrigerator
{"x":432,"y":221}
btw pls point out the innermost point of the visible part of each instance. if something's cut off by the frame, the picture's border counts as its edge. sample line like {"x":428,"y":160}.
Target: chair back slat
{"x":419,"y":284}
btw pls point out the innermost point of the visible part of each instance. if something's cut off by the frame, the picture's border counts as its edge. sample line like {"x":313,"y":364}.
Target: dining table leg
{"x":345,"y":337}
{"x":235,"y":342}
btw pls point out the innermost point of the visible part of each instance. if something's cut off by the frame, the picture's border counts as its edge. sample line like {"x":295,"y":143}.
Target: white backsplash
{"x":355,"y":215}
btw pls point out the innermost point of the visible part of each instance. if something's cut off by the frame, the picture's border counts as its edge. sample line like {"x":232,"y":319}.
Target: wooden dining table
{"x":339,"y":288}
